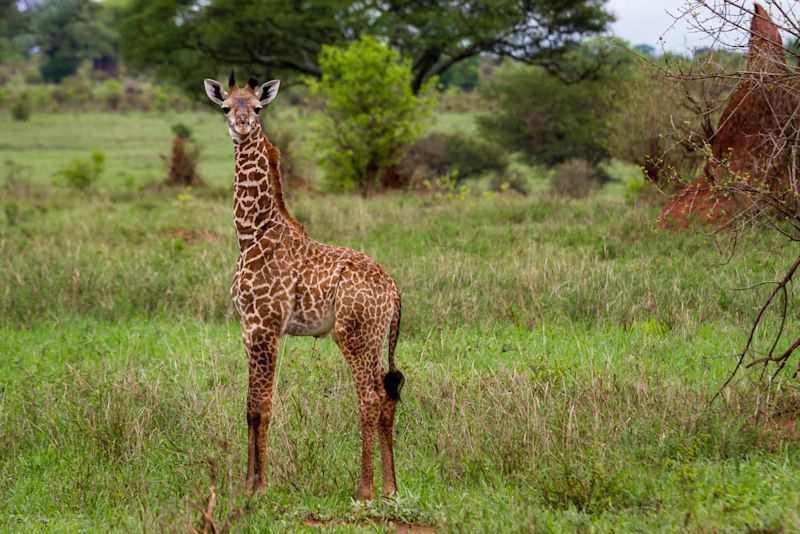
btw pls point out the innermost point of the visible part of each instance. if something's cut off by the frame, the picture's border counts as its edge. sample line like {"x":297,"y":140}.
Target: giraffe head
{"x":241,"y":105}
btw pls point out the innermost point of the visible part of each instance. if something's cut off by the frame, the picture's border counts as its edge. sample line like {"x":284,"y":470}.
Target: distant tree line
{"x":178,"y":39}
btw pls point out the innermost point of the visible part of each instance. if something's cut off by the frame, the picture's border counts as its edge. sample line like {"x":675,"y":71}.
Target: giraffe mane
{"x":274,"y":158}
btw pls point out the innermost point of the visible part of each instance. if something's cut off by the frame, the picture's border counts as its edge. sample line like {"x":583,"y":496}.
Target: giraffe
{"x":288,"y":283}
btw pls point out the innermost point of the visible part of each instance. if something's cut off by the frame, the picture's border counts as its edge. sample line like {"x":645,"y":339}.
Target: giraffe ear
{"x":268,"y":91}
{"x":215,"y":91}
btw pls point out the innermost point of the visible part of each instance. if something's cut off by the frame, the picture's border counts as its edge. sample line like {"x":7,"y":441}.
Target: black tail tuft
{"x":393,"y":383}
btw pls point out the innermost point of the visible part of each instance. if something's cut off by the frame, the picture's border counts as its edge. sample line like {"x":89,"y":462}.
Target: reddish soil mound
{"x":183,"y":166}
{"x":739,"y":145}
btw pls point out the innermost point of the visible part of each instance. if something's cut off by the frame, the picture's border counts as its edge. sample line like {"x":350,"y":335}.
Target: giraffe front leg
{"x":262,"y":357}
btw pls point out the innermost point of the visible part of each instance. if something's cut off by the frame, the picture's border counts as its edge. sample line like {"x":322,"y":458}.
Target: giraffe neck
{"x":255,"y":206}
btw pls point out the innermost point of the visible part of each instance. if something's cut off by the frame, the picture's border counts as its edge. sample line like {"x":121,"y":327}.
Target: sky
{"x":644,"y":21}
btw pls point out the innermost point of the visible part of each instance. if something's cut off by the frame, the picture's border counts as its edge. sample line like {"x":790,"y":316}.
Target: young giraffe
{"x":287,"y":283}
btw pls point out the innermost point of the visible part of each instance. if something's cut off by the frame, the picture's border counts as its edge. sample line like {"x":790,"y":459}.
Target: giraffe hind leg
{"x":365,"y":364}
{"x":386,"y":440}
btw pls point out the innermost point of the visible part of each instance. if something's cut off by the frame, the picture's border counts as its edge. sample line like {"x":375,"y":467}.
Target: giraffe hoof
{"x":254,"y":486}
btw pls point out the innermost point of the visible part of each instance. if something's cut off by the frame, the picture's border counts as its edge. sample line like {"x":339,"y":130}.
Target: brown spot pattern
{"x":287,"y":283}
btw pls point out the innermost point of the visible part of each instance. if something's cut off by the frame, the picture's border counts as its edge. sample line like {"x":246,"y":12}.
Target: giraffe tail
{"x":394,"y":379}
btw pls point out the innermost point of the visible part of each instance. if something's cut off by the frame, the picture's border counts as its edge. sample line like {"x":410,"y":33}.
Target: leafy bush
{"x":463,"y":75}
{"x":81,"y":174}
{"x":111,"y":93}
{"x":370,"y":113}
{"x":57,"y":68}
{"x":513,"y":181}
{"x":80,"y":91}
{"x":182,"y":131}
{"x":33,"y":77}
{"x":21,"y":111}
{"x":458,"y":155}
{"x":11,"y":209}
{"x":62,"y":95}
{"x":39,"y":98}
{"x":576,"y":178}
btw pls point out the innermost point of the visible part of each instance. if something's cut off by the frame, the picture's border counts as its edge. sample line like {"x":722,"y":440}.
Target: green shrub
{"x":40,"y":98}
{"x":2,"y":96}
{"x":79,"y":90}
{"x":111,"y":93}
{"x":514,"y":181}
{"x":160,"y":99}
{"x":463,"y":75}
{"x":57,"y":68}
{"x":11,"y":209}
{"x":370,"y":114}
{"x":21,"y":111}
{"x":33,"y":77}
{"x":458,"y":155}
{"x":182,"y":131}
{"x":81,"y":174}
{"x":62,"y":95}
{"x":576,"y":178}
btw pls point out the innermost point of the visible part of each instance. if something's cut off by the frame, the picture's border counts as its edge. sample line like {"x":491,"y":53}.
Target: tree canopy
{"x":178,"y":38}
{"x":550,"y":122}
{"x":64,"y":32}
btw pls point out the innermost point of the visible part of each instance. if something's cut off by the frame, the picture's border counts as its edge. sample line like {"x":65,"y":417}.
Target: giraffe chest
{"x":314,"y":310}
{"x":262,"y":295}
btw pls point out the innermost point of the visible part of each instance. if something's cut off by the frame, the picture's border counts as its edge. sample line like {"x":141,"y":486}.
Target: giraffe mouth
{"x":239,"y":134}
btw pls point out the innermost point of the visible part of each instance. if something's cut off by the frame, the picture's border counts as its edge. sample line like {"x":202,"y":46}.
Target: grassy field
{"x":560,"y":356}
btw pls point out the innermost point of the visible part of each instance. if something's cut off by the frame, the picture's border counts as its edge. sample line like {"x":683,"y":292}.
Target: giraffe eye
{"x":257,"y":110}
{"x":226,"y":110}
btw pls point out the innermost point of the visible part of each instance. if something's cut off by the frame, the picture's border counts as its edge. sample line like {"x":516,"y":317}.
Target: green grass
{"x":560,"y":356}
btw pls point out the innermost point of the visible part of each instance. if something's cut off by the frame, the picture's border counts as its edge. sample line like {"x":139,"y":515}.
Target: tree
{"x":370,"y":113}
{"x":662,"y":121}
{"x":15,"y":34}
{"x":178,"y":38}
{"x":68,"y":32}
{"x":549,"y":121}
{"x":464,"y":75}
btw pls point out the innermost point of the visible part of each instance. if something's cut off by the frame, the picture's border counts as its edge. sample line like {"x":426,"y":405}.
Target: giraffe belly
{"x":311,"y":323}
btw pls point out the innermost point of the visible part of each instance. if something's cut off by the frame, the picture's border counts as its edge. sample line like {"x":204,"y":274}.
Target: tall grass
{"x":112,"y":423}
{"x":560,"y":355}
{"x":480,"y":263}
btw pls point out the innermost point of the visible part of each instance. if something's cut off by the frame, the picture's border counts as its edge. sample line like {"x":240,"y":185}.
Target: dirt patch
{"x":190,"y":236}
{"x":391,"y":526}
{"x":783,"y":425}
